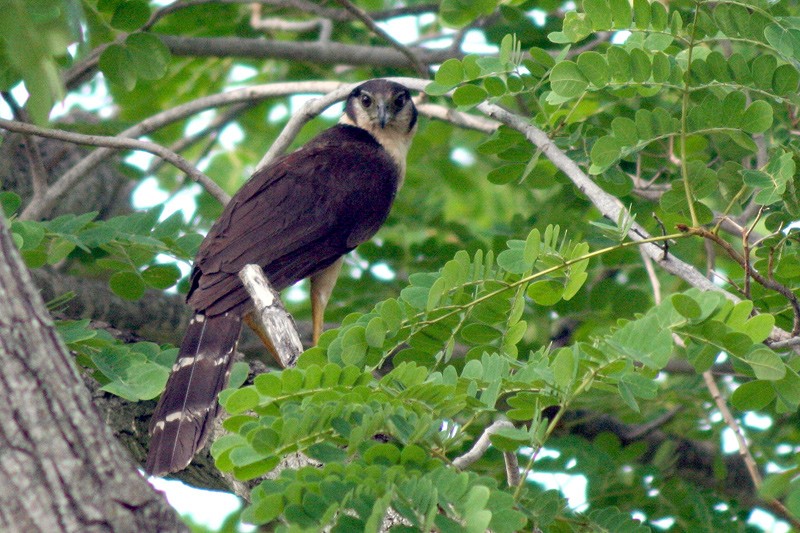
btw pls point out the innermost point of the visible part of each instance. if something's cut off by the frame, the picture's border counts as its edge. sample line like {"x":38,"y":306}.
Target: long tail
{"x":184,"y":416}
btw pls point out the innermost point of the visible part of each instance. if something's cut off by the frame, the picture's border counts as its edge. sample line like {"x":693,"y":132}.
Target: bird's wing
{"x":295,"y":217}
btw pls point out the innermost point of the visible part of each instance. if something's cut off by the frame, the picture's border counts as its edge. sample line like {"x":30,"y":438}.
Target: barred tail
{"x":184,"y":416}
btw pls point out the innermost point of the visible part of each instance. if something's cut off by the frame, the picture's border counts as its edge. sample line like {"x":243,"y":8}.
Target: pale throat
{"x":394,"y":140}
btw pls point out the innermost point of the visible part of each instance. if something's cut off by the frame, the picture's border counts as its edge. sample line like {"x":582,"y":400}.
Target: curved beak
{"x":384,"y":115}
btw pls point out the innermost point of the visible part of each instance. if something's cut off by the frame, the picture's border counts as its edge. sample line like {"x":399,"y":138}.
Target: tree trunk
{"x":61,"y":467}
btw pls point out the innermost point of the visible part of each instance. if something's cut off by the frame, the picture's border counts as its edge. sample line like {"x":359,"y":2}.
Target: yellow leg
{"x":322,"y":284}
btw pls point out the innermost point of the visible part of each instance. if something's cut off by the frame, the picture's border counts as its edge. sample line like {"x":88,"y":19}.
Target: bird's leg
{"x":322,"y":284}
{"x":256,"y":326}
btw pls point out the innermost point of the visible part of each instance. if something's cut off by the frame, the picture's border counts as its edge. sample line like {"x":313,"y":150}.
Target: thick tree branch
{"x":62,"y":468}
{"x":329,"y":53}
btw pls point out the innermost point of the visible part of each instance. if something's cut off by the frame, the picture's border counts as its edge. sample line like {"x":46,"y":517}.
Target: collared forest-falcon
{"x":296,"y":218}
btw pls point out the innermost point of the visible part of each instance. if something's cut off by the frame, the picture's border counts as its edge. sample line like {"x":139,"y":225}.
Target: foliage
{"x":508,"y":295}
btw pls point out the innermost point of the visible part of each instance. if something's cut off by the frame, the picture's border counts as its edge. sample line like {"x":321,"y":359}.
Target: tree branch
{"x":325,"y":53}
{"x":479,"y":449}
{"x":62,"y":468}
{"x":607,"y":204}
{"x":119,"y":143}
{"x":364,"y":17}
{"x":272,"y":317}
{"x":248,"y":94}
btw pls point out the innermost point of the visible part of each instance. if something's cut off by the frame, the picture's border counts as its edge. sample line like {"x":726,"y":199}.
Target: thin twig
{"x":788,"y":343}
{"x":278,"y":24}
{"x":482,"y":444}
{"x":730,"y":421}
{"x":458,"y":118}
{"x":364,"y":17}
{"x":607,"y":204}
{"x":309,"y":110}
{"x":211,"y":130}
{"x":760,"y":279}
{"x":121,"y":143}
{"x":159,"y":120}
{"x":651,"y":275}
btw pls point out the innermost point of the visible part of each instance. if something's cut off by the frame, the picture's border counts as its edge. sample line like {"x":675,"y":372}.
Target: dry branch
{"x":275,"y":322}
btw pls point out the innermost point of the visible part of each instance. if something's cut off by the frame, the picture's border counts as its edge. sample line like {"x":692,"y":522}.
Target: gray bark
{"x":61,"y":466}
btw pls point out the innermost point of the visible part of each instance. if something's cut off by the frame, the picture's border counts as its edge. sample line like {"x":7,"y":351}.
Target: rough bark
{"x":62,"y":468}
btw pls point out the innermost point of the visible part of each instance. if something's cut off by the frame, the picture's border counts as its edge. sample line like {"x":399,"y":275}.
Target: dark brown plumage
{"x":295,"y":218}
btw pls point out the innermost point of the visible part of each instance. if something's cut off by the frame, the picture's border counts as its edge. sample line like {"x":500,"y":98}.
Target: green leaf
{"x":786,"y":41}
{"x":753,"y":395}
{"x":162,"y":276}
{"x":148,"y":55}
{"x":9,"y":202}
{"x":619,"y":64}
{"x":621,"y":13}
{"x":128,"y":285}
{"x":763,"y":69}
{"x":785,"y":80}
{"x":241,"y":400}
{"x":624,"y":131}
{"x":641,"y":13}
{"x":494,"y":86}
{"x":766,"y":364}
{"x":480,"y":333}
{"x":759,"y":327}
{"x":264,"y":509}
{"x":392,"y":314}
{"x":605,"y":152}
{"x":130,"y":15}
{"x":640,"y":65}
{"x":545,"y":292}
{"x":506,"y":174}
{"x":59,"y":249}
{"x":565,"y":366}
{"x":567,"y":80}
{"x":594,"y":68}
{"x":450,"y":73}
{"x":686,"y":306}
{"x":117,"y":66}
{"x":509,"y":439}
{"x":758,"y":117}
{"x":469,"y":95}
{"x":375,"y":333}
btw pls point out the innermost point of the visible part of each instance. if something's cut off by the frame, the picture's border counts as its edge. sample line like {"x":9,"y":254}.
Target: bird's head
{"x":381,"y":105}
{"x":384,"y":109}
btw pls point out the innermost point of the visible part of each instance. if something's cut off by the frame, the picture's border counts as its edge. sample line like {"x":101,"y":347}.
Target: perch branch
{"x":272,"y":317}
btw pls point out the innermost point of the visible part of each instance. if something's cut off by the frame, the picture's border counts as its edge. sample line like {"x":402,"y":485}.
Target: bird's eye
{"x":400,"y":101}
{"x":366,"y":101}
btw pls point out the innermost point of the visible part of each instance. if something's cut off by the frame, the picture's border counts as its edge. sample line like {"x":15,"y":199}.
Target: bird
{"x":296,"y":218}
